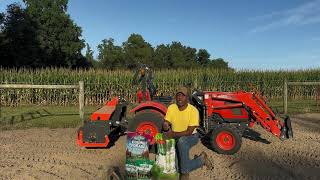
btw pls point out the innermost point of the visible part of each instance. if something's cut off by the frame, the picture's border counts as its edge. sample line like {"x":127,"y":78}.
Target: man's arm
{"x":166,"y":126}
{"x":187,"y":132}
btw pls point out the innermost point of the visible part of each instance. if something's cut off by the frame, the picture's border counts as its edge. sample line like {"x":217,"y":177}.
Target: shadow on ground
{"x":31,"y":115}
{"x":281,"y":165}
{"x":312,"y":124}
{"x":254,"y":136}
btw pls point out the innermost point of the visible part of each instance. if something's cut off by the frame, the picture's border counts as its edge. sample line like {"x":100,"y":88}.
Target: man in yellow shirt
{"x":183,"y":118}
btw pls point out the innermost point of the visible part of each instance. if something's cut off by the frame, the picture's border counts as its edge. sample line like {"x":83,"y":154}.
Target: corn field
{"x":102,"y":85}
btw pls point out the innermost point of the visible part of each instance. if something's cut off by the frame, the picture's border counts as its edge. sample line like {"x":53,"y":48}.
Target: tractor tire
{"x":225,"y":139}
{"x":146,"y":121}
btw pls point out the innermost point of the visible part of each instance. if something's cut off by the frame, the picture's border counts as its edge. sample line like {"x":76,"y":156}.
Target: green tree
{"x":110,"y":55}
{"x":191,"y":57}
{"x":203,"y":57}
{"x":2,"y":15}
{"x":177,"y":59}
{"x":182,"y":56}
{"x":18,"y":47}
{"x":57,"y":35}
{"x":218,"y":63}
{"x":2,"y":41}
{"x":161,"y":58}
{"x":137,"y":50}
{"x":89,"y":55}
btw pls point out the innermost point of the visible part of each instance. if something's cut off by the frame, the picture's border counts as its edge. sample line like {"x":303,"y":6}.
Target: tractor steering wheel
{"x":195,"y":95}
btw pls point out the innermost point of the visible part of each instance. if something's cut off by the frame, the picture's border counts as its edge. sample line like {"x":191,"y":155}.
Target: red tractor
{"x":224,"y":116}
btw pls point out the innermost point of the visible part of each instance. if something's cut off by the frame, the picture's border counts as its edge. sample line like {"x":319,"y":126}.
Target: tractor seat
{"x":166,"y":100}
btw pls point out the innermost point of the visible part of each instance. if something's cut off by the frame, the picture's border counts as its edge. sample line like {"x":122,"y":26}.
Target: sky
{"x":248,"y":34}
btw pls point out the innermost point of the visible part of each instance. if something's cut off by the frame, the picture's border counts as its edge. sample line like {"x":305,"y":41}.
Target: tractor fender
{"x":150,"y":105}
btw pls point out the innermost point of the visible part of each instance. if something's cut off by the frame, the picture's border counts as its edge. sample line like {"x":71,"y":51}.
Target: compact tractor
{"x":224,"y":117}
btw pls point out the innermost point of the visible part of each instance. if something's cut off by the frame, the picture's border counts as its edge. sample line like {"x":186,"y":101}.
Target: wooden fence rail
{"x":31,"y":86}
{"x":285,"y":91}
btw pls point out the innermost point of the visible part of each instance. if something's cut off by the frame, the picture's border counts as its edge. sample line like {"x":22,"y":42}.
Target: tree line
{"x":42,"y":34}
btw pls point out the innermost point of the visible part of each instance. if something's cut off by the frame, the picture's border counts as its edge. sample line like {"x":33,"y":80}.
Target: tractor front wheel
{"x":225,"y":139}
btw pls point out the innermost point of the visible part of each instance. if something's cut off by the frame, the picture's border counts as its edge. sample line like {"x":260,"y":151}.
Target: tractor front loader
{"x":226,"y":115}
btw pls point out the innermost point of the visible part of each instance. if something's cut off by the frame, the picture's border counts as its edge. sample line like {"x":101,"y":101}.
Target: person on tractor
{"x":180,"y":123}
{"x":143,"y":79}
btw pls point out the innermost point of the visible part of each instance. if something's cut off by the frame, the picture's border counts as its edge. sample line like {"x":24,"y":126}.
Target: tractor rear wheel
{"x":146,"y":122}
{"x":225,"y":139}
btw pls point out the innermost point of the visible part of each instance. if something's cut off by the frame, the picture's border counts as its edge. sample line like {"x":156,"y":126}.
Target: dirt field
{"x":53,"y":154}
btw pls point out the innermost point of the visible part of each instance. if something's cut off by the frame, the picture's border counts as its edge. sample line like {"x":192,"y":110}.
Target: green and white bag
{"x":165,"y":165}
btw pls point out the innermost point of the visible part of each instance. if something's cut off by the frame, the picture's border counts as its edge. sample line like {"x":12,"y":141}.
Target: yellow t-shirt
{"x":180,"y":120}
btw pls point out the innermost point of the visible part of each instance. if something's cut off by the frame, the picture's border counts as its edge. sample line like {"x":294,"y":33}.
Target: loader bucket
{"x":286,"y":130}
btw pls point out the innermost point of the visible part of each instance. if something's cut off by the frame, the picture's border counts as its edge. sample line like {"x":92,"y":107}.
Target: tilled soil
{"x":53,"y":154}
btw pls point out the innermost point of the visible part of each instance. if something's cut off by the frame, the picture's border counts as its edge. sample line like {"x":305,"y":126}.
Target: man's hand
{"x":166,"y":126}
{"x":188,"y":132}
{"x":171,"y":134}
{"x":168,"y":135}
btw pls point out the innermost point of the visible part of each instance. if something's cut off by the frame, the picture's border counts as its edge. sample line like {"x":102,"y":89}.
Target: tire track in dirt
{"x":6,"y":177}
{"x":52,"y":174}
{"x":54,"y":152}
{"x":52,"y":157}
{"x":48,"y":145}
{"x":54,"y":161}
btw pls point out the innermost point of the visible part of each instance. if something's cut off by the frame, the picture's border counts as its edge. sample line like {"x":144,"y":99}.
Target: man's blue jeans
{"x":184,"y":144}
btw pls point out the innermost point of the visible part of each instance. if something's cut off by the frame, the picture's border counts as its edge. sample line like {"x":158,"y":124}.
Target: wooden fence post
{"x":81,"y":100}
{"x":285,"y":96}
{"x":317,"y":95}
{"x":0,"y":103}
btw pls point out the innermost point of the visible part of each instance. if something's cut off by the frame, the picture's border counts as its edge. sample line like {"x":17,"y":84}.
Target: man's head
{"x":182,"y":97}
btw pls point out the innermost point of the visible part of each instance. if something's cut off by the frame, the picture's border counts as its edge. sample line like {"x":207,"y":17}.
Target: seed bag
{"x":138,"y":165}
{"x":165,"y":165}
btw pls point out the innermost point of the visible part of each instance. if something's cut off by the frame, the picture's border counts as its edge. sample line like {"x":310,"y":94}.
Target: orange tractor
{"x":224,"y":116}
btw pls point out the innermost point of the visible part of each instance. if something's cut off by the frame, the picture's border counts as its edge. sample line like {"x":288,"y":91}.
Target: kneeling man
{"x":183,"y":118}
